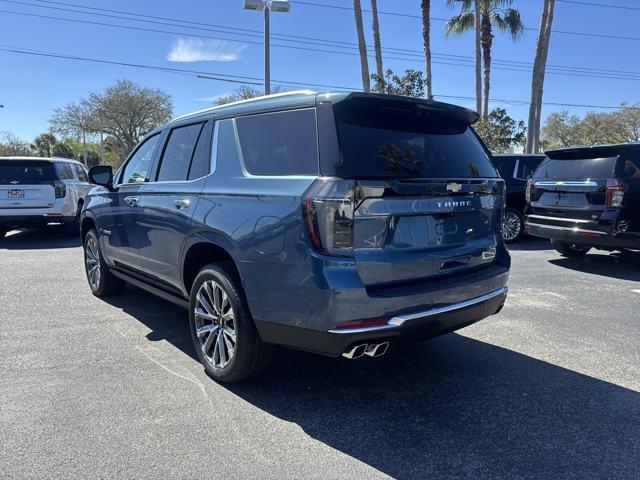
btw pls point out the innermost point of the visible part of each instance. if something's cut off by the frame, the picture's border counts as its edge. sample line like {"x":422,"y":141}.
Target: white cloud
{"x":201,"y":50}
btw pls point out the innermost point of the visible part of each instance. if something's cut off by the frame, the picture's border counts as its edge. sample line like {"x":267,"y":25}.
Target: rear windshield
{"x":380,"y":142}
{"x":25,"y":172}
{"x":576,"y":168}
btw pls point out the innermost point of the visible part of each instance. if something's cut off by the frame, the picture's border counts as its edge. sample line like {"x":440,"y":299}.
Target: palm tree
{"x":426,"y":36}
{"x":537,"y":79}
{"x":491,"y":13}
{"x":376,"y":38}
{"x":362,"y":45}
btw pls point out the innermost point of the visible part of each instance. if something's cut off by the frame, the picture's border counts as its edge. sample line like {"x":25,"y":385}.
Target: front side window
{"x":137,"y":169}
{"x":174,"y":166}
{"x":283,"y":143}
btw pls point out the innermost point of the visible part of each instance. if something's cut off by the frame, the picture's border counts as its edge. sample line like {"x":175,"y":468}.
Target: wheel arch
{"x":201,"y":252}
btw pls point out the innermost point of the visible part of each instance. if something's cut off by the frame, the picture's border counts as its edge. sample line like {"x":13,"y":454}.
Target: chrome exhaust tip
{"x":355,"y":352}
{"x":377,"y":349}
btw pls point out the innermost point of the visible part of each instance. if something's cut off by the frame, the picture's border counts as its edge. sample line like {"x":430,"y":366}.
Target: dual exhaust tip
{"x":370,"y":350}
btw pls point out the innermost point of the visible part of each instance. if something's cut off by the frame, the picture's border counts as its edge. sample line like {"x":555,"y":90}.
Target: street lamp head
{"x":279,"y":6}
{"x":254,"y":4}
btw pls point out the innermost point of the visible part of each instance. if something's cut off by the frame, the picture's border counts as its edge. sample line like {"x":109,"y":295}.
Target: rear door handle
{"x":132,"y":201}
{"x":183,"y":203}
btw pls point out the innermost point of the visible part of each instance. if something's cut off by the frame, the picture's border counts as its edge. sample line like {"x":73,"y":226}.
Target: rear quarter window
{"x":64,"y":170}
{"x":282,"y":143}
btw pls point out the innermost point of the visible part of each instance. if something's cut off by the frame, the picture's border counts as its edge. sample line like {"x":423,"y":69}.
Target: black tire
{"x":512,"y":226}
{"x":106,"y":283}
{"x":570,"y":249}
{"x":250,"y":356}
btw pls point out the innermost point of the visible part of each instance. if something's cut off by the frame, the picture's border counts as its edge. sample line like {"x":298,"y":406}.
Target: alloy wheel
{"x":511,"y":226}
{"x":92,"y":263}
{"x":215,"y":324}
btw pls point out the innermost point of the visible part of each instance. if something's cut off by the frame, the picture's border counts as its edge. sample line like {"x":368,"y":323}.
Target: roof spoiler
{"x":592,"y":151}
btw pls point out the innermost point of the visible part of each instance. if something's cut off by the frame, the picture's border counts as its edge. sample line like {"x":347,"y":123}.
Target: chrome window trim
{"x":397,"y":321}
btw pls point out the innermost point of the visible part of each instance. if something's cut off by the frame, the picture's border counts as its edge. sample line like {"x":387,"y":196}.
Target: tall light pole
{"x":268,"y":6}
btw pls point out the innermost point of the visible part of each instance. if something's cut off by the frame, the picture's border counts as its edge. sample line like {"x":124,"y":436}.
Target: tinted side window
{"x":527,"y":166}
{"x":631,"y":168}
{"x":81,"y":173}
{"x":178,"y":151}
{"x":137,"y":169}
{"x":282,"y":143}
{"x":201,"y":163}
{"x":504,"y":166}
{"x":64,"y":170}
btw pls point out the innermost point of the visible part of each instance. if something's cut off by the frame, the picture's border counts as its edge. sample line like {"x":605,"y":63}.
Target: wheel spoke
{"x":202,"y":331}
{"x":205,"y":302}
{"x":222,"y":350}
{"x":217,"y":298}
{"x":210,"y":339}
{"x":228,"y":332}
{"x":199,"y":313}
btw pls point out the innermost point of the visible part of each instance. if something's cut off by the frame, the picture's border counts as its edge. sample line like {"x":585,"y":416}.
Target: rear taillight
{"x":328,"y":207}
{"x":60,"y":188}
{"x":615,"y":193}
{"x":527,"y":192}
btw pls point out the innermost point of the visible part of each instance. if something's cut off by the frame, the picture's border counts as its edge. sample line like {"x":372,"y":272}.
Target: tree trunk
{"x":362,"y":45}
{"x":487,"y":42}
{"x":537,"y":79}
{"x":478,"y":29}
{"x":376,"y":38}
{"x":426,"y":36}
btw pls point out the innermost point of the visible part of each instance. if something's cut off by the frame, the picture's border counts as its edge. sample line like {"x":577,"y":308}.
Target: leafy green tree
{"x":500,"y":132}
{"x":64,"y":150}
{"x":492,"y":13}
{"x":411,"y":84}
{"x":561,"y":130}
{"x":43,"y":144}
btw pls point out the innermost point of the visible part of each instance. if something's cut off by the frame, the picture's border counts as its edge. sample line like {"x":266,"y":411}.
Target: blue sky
{"x":32,"y":86}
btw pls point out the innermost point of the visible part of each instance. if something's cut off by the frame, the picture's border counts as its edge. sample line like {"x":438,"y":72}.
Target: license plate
{"x":16,"y":194}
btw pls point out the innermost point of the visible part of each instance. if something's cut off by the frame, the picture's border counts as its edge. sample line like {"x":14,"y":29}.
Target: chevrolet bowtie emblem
{"x":454,"y":187}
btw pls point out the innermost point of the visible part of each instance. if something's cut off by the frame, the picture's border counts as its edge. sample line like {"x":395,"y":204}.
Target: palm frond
{"x":509,"y":21}
{"x":460,"y":24}
{"x":465,"y":5}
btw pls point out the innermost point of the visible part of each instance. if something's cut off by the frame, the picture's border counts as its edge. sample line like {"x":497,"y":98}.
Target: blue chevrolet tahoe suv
{"x":335,"y":223}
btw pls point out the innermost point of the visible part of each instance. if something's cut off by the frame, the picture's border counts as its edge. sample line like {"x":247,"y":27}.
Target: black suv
{"x":334,"y":223}
{"x":587,"y":197}
{"x":515,"y":170}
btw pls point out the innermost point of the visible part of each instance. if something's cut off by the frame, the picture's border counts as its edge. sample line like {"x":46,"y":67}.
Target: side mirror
{"x":102,"y":175}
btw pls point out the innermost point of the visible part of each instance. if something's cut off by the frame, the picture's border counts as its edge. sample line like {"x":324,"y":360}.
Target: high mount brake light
{"x":615,"y":192}
{"x":328,"y":208}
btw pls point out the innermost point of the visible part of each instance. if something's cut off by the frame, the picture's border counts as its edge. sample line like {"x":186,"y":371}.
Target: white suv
{"x":37,"y":191}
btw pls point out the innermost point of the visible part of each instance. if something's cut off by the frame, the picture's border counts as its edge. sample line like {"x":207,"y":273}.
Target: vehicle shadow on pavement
{"x":623,"y":266}
{"x":50,"y":237}
{"x":452,"y":407}
{"x":528,"y":243}
{"x":456,"y":407}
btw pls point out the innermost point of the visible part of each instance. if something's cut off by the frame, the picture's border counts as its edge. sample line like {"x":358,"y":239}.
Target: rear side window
{"x":504,"y":166}
{"x":526,"y":167}
{"x":178,"y":151}
{"x":64,"y":170}
{"x":576,"y":168}
{"x":376,"y":141}
{"x":137,"y":168}
{"x":81,"y":174}
{"x":284,"y":143}
{"x":25,"y":172}
{"x":631,"y":168}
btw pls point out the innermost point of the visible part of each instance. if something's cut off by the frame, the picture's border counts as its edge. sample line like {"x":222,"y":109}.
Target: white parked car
{"x":37,"y":191}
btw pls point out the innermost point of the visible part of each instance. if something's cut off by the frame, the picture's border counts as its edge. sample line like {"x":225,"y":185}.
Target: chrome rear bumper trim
{"x":566,"y":229}
{"x":397,"y":321}
{"x":558,"y":219}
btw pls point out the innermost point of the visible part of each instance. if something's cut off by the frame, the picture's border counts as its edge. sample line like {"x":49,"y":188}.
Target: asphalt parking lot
{"x":549,"y":388}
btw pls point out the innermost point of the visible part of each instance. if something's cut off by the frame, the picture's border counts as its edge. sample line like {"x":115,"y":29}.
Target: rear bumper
{"x":405,"y":328}
{"x":62,"y":211}
{"x":583,"y":234}
{"x":25,"y":221}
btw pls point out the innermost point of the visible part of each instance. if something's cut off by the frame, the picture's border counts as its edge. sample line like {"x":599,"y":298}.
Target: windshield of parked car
{"x":386,"y":142}
{"x":24,"y":172}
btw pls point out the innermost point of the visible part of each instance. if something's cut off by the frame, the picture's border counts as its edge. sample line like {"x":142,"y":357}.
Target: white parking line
{"x":636,"y":291}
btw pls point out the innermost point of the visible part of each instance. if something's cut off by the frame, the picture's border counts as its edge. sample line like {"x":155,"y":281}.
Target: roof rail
{"x":247,"y":100}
